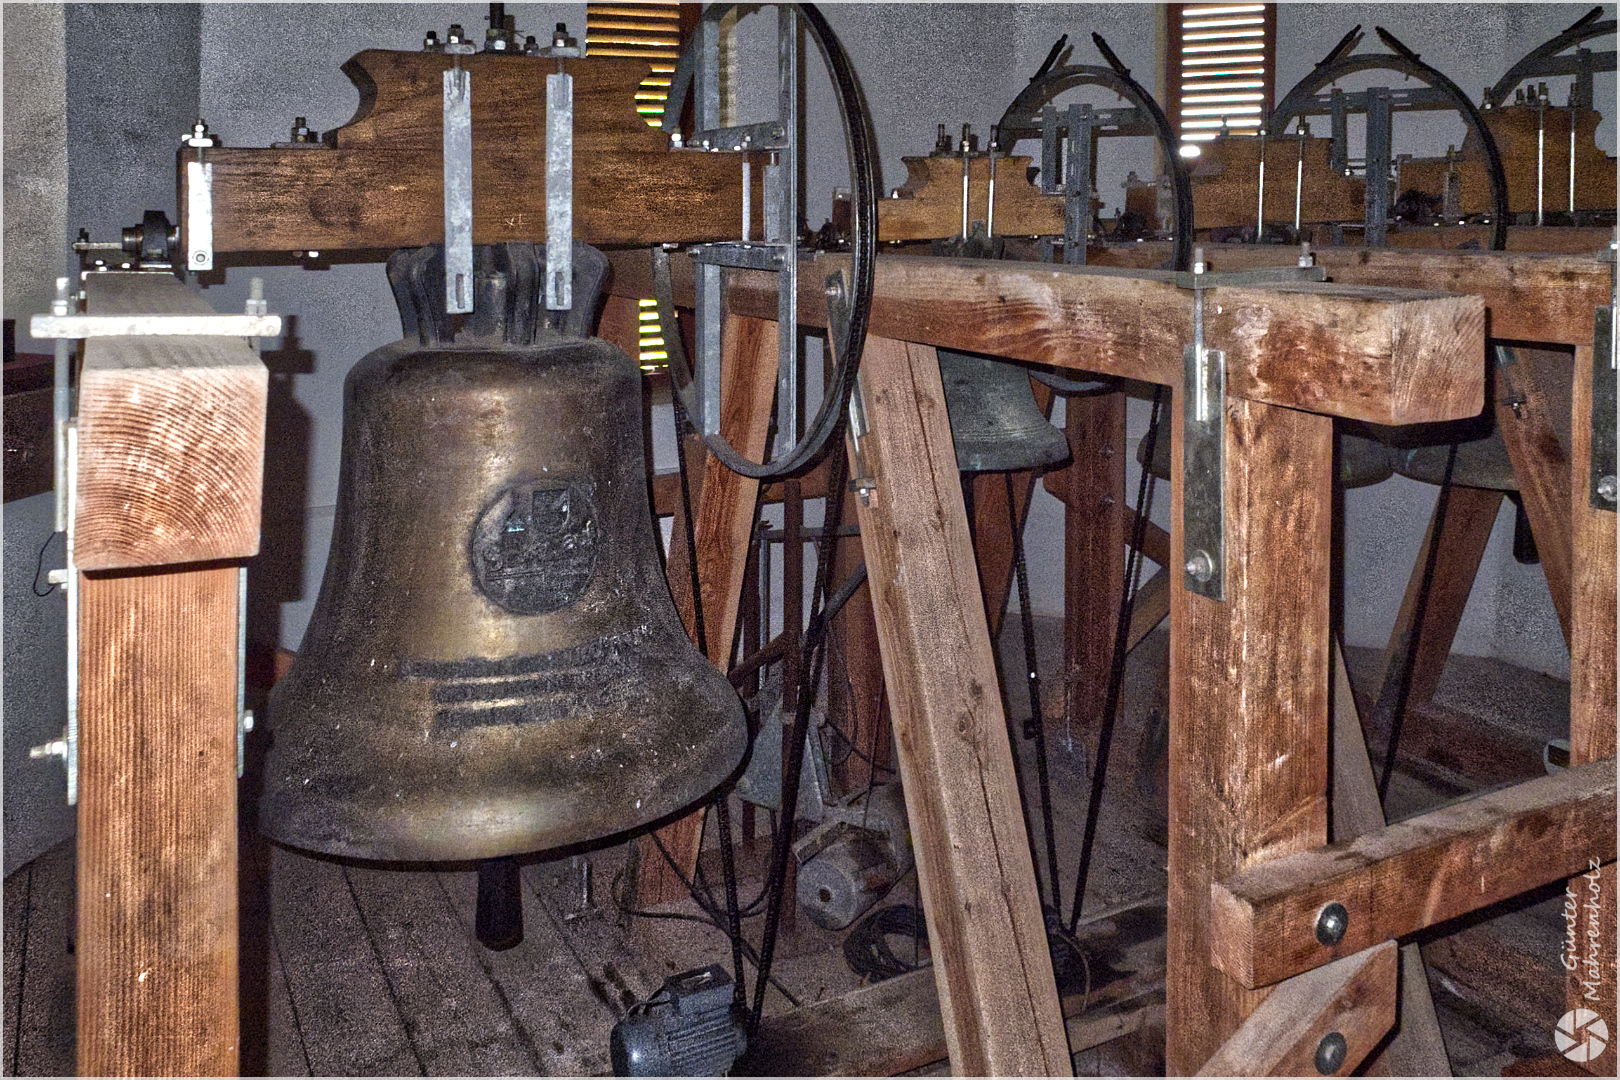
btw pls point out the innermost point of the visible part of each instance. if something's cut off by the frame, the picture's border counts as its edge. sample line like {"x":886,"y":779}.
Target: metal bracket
{"x":199,"y":215}
{"x":244,"y":715}
{"x":559,"y":190}
{"x":1203,"y":447}
{"x":67,"y":747}
{"x":766,"y":135}
{"x":1603,"y":487}
{"x":97,"y":326}
{"x":458,"y":253}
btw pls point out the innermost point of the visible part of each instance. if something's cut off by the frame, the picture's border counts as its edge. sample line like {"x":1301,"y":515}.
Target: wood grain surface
{"x":991,"y":965}
{"x":1529,"y":397}
{"x":1354,"y":996}
{"x":1385,"y":355}
{"x":171,"y":436}
{"x":1592,"y":705}
{"x":157,"y":941}
{"x":378,"y":182}
{"x":1531,"y":296}
{"x":1248,"y":701}
{"x":1411,"y":875}
{"x":929,"y":203}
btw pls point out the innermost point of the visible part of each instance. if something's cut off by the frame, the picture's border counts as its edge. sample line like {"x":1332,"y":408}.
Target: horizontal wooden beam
{"x":378,"y":181}
{"x":1413,"y":874}
{"x":1353,"y":998}
{"x":171,"y":436}
{"x":1388,"y":356}
{"x":894,"y":1026}
{"x":1531,"y":296}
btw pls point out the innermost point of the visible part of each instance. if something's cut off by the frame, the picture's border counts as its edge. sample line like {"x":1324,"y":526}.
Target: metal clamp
{"x":1203,"y":462}
{"x":458,"y":253}
{"x":67,"y":747}
{"x":1603,"y":487}
{"x":559,"y":190}
{"x":199,"y":201}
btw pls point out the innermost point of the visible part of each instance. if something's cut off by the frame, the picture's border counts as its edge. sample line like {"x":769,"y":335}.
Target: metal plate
{"x":1603,"y":411}
{"x":1203,"y":473}
{"x":559,"y":191}
{"x":458,"y":254}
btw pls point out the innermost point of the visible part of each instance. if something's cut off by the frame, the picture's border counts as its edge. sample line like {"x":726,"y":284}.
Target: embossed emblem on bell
{"x":995,"y":423}
{"x":494,"y":664}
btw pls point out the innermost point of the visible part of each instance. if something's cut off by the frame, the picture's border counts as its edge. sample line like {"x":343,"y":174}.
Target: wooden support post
{"x":997,"y":997}
{"x":725,"y":517}
{"x":1092,"y":489}
{"x":1526,"y":395}
{"x":1592,"y":715}
{"x":171,"y":456}
{"x":856,"y":701}
{"x":1413,"y":874}
{"x":1353,"y":998}
{"x":1463,"y":532}
{"x":1248,"y":701}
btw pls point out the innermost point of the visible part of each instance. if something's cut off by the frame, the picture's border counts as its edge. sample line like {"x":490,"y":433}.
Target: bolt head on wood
{"x":1330,"y":1053}
{"x":1331,"y":923}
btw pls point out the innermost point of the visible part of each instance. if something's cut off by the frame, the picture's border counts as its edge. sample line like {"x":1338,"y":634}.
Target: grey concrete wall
{"x":132,"y":78}
{"x":35,"y":684}
{"x":36,"y":160}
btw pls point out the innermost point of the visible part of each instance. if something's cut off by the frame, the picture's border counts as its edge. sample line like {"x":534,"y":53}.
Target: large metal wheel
{"x":849,"y":299}
{"x":1301,"y":102}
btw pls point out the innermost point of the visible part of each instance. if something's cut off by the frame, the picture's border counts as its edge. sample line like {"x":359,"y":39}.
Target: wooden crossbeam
{"x":1353,"y":997}
{"x":1531,"y":296}
{"x":1385,"y":355}
{"x":1411,"y":875}
{"x":378,"y":181}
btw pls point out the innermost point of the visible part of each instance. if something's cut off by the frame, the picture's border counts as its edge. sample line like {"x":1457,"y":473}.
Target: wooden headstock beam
{"x":378,"y":183}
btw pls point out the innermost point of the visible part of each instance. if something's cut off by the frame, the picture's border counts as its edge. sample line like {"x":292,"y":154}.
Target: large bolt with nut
{"x":1200,"y":566}
{"x":1331,"y":923}
{"x":1608,"y":488}
{"x":1330,"y":1053}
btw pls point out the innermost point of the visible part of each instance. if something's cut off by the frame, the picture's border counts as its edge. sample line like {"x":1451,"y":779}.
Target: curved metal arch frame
{"x":847,"y":336}
{"x":1017,"y":122}
{"x":1583,"y":29}
{"x":1301,"y":101}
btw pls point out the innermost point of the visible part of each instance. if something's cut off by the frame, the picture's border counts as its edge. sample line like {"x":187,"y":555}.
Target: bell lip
{"x":441,"y":858}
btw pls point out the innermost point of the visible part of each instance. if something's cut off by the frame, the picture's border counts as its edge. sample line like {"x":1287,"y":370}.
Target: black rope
{"x":1392,"y":698}
{"x":793,"y":750}
{"x":1116,"y":667}
{"x":682,"y":422}
{"x":1037,"y":721}
{"x":728,"y":867}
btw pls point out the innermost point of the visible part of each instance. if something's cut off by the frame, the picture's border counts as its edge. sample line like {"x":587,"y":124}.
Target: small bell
{"x":995,"y":423}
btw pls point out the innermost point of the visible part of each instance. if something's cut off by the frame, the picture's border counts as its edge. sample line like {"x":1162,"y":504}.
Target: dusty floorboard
{"x":358,"y":970}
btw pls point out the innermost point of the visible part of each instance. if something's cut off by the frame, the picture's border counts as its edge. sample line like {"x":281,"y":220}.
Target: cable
{"x":39,"y":564}
{"x":867,"y":951}
{"x":1116,"y":668}
{"x":1036,"y":719}
{"x":793,"y":751}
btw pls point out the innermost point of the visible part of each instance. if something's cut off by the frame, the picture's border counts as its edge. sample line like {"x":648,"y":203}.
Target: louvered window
{"x":649,"y":31}
{"x":656,"y":33}
{"x":1223,"y":67}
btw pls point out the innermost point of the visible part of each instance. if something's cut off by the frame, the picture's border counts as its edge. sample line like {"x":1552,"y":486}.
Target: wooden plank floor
{"x":358,"y":970}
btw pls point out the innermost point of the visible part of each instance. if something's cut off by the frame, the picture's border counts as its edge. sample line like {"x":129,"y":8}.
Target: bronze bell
{"x":995,"y":423}
{"x":494,"y":665}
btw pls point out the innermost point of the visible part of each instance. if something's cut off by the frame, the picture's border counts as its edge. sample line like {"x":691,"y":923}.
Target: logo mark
{"x":1581,"y":1035}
